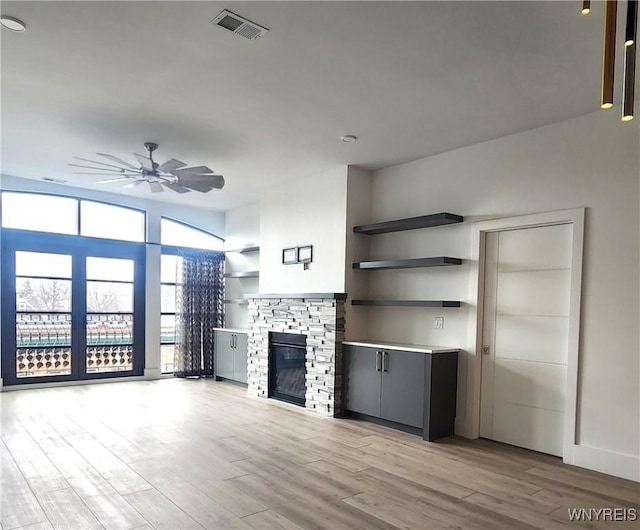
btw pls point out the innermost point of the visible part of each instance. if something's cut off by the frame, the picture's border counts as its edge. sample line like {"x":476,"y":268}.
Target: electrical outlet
{"x":438,"y":322}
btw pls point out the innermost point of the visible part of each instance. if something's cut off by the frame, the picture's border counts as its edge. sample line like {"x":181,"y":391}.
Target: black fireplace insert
{"x":287,"y":370}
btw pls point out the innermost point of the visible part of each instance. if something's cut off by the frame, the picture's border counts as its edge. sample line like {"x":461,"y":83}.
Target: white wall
{"x":242,"y":228}
{"x":208,"y":220}
{"x":311,"y":211}
{"x":357,"y":249}
{"x":592,"y":162}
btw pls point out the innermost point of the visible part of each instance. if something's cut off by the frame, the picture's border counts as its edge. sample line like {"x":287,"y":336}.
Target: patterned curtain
{"x":199,"y":309}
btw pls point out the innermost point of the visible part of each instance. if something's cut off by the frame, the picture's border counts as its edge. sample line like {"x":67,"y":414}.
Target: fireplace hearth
{"x":317,"y":317}
{"x":287,"y":368}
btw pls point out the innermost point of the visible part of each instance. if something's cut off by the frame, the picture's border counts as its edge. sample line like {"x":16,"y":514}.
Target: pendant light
{"x":586,"y":7}
{"x":630,"y":37}
{"x":631,"y":29}
{"x":608,"y":54}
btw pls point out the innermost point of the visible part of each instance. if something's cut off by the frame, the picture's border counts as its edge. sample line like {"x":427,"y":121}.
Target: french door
{"x":72,"y":308}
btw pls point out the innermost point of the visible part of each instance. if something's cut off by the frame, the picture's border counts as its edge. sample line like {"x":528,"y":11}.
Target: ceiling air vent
{"x":238,"y":25}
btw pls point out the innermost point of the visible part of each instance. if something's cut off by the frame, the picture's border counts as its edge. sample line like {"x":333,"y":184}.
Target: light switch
{"x":438,"y":322}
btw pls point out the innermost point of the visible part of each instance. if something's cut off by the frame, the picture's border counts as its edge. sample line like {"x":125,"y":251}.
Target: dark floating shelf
{"x":441,"y":261}
{"x":246,"y":274}
{"x":237,"y":301}
{"x":410,"y":223}
{"x":407,"y":303}
{"x":244,"y":250}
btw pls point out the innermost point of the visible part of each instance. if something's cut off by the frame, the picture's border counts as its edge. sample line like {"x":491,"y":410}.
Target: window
{"x":43,"y":314}
{"x":169,"y":267}
{"x":110,"y":290}
{"x":43,"y":213}
{"x":60,"y":215}
{"x":111,"y":222}
{"x":177,"y":234}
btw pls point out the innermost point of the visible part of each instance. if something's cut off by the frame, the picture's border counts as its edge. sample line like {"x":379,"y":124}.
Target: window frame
{"x":78,"y":201}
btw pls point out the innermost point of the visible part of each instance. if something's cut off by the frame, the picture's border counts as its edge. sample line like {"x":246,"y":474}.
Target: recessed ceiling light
{"x":12,"y":23}
{"x":348,"y":138}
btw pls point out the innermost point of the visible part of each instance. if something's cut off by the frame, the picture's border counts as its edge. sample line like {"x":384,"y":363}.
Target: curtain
{"x":199,"y":309}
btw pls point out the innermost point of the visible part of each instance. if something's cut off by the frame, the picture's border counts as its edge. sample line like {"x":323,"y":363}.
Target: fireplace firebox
{"x":287,"y":369}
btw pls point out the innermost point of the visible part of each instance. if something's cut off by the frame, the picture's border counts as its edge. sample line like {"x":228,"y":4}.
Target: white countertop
{"x":232,"y":330}
{"x":418,"y":348}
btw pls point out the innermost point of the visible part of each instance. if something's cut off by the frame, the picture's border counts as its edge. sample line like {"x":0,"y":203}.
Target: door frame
{"x":78,"y":247}
{"x":575,"y":217}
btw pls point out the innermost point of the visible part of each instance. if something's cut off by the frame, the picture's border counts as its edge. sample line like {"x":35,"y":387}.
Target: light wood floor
{"x":192,"y":454}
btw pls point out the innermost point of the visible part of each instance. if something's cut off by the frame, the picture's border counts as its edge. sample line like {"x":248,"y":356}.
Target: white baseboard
{"x":152,"y":373}
{"x":616,"y":464}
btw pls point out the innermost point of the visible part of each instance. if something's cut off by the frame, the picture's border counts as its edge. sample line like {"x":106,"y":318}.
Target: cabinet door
{"x":224,"y":354}
{"x":240,"y":358}
{"x":362,"y":380}
{"x":403,"y":387}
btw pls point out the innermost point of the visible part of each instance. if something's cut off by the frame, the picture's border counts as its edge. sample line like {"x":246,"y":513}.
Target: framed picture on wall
{"x":305,"y":254}
{"x":290,"y":255}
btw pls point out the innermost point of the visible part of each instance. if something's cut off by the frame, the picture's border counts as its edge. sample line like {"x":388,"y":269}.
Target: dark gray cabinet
{"x":402,"y":397}
{"x":385,"y":384}
{"x":230,"y":355}
{"x":402,"y":388}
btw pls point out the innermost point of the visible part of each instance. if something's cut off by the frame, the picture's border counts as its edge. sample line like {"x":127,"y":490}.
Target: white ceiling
{"x":410,"y":79}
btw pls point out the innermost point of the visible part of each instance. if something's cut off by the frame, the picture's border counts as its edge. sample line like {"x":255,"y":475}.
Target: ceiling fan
{"x":173,"y":174}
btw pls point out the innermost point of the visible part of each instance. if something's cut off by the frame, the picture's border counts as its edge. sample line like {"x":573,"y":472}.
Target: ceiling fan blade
{"x":198,"y":170}
{"x":105,"y":169}
{"x":144,"y":162}
{"x":176,"y":187}
{"x":155,"y":187}
{"x":134,"y":183}
{"x":171,"y":165}
{"x":122,"y":177}
{"x":101,"y":163}
{"x":119,"y":160}
{"x":111,"y":180}
{"x":202,"y":183}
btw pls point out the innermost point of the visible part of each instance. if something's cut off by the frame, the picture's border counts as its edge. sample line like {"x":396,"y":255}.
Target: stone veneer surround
{"x":319,"y":316}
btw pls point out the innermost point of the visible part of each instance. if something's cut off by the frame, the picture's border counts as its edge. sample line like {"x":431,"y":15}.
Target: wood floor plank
{"x":65,"y":510}
{"x":161,"y":513}
{"x":120,"y":476}
{"x":115,"y":512}
{"x":302,"y":510}
{"x":197,"y":504}
{"x":184,"y":454}
{"x":205,"y":480}
{"x":81,"y":476}
{"x":44,"y":525}
{"x":623,"y":490}
{"x":270,"y":520}
{"x":38,"y":470}
{"x":19,"y":507}
{"x":517,"y":512}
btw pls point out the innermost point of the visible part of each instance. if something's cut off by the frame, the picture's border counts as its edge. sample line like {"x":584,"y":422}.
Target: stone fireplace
{"x":318,"y":316}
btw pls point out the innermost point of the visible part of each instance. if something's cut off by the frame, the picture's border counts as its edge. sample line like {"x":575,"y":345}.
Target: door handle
{"x":235,"y":341}
{"x":378,"y":361}
{"x":231,"y":340}
{"x":384,"y":361}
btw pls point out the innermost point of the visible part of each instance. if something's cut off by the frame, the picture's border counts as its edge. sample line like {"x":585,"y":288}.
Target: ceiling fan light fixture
{"x":12,"y":23}
{"x":173,"y":174}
